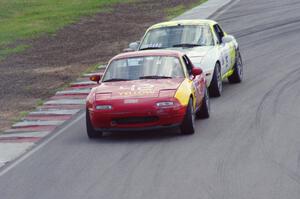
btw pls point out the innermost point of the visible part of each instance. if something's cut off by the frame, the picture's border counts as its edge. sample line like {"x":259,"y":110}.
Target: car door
{"x":198,"y":81}
{"x":224,"y":48}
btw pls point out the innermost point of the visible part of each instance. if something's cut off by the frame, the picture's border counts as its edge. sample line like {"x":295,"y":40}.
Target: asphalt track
{"x":249,"y":148}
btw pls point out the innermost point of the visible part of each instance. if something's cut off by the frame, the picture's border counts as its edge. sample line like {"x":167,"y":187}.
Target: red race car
{"x":147,"y":90}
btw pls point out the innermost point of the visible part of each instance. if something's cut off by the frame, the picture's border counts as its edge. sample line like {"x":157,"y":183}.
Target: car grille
{"x":136,"y":120}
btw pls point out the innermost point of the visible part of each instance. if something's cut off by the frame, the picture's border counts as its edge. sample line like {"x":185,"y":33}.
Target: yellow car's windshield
{"x":178,"y":36}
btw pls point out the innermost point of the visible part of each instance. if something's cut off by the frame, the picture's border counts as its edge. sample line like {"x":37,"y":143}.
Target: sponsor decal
{"x":142,"y":89}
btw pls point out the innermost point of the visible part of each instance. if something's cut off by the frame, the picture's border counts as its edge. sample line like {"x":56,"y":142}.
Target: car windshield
{"x":148,"y":67}
{"x":178,"y":36}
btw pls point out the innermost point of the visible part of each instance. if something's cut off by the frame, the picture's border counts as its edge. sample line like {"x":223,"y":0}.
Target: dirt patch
{"x":55,"y":60}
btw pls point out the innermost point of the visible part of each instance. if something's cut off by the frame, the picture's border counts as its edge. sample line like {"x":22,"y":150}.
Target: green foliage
{"x":6,"y":51}
{"x":22,"y":19}
{"x":20,"y":116}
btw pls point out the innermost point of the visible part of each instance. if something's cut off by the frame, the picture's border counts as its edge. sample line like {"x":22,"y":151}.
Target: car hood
{"x":138,"y":88}
{"x":200,"y":51}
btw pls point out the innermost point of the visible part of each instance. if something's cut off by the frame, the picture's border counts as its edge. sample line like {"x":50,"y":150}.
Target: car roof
{"x":144,"y":53}
{"x":184,"y":22}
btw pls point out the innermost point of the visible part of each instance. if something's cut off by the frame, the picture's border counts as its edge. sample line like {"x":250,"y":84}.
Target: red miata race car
{"x":147,"y":90}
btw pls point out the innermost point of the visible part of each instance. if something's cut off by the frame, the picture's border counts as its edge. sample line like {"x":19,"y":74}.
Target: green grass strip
{"x":23,"y":19}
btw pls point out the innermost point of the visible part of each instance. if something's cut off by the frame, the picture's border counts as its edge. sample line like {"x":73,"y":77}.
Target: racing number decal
{"x":227,"y":60}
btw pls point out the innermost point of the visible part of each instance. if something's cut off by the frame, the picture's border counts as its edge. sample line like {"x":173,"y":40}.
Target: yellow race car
{"x":204,"y":42}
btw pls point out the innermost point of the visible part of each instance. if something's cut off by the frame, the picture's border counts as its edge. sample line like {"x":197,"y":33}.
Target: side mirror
{"x":227,"y":39}
{"x":95,"y":78}
{"x":134,"y":45}
{"x":196,"y":71}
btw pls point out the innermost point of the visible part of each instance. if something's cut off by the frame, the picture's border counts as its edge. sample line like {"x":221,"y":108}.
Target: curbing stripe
{"x":47,"y":117}
{"x":84,"y":86}
{"x":54,"y":112}
{"x":101,"y":67}
{"x":19,"y":139}
{"x":33,"y":128}
{"x":36,"y":123}
{"x":74,"y":92}
{"x":66,"y":102}
{"x":26,"y":134}
{"x":83,"y":83}
{"x":91,"y":74}
{"x":59,"y":106}
{"x":79,"y":96}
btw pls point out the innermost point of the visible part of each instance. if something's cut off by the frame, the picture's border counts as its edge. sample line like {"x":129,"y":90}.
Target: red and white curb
{"x":23,"y":135}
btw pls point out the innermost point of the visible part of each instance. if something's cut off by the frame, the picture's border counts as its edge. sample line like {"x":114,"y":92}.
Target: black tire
{"x":216,"y":87}
{"x":238,"y":72}
{"x":188,"y":125}
{"x":91,"y":132}
{"x":204,"y":110}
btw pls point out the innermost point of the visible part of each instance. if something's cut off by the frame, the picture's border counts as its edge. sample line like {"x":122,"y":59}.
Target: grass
{"x":7,"y":51}
{"x":39,"y":102}
{"x":180,"y":9}
{"x":20,"y":116}
{"x":23,"y":19}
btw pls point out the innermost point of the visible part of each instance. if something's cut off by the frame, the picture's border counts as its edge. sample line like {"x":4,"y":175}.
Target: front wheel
{"x":204,"y":110}
{"x":188,"y":125}
{"x":215,"y":87}
{"x":238,"y":72}
{"x":91,"y":132}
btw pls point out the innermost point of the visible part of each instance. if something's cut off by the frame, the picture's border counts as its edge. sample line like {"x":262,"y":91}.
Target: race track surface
{"x":248,"y":149}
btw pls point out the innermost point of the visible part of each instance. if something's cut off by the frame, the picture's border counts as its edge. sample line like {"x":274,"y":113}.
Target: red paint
{"x":146,"y":107}
{"x":133,"y":104}
{"x":136,"y":98}
{"x":19,"y":139}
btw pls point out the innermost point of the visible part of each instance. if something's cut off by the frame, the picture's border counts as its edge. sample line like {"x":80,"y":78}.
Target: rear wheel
{"x":216,"y":86}
{"x":238,"y":72}
{"x":188,"y":125}
{"x":204,"y":110}
{"x":91,"y":132}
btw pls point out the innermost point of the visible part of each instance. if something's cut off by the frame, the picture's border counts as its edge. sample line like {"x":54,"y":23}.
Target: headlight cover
{"x":102,"y":96}
{"x":164,"y":104}
{"x":103,"y":107}
{"x":167,"y":93}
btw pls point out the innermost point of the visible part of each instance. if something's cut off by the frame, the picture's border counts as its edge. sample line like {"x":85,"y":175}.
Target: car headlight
{"x":102,"y":96}
{"x":103,"y":107}
{"x":164,"y":104}
{"x":167,"y":93}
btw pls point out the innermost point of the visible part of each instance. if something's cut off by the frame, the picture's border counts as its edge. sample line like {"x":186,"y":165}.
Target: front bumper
{"x":135,"y":129}
{"x":137,"y":117}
